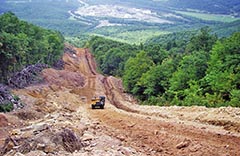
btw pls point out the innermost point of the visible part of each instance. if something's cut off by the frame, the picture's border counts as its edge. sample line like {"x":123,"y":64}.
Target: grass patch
{"x":210,"y":17}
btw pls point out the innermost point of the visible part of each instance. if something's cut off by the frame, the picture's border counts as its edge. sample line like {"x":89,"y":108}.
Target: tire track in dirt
{"x":156,"y":137}
{"x":110,"y":93}
{"x":162,"y":138}
{"x":90,"y":62}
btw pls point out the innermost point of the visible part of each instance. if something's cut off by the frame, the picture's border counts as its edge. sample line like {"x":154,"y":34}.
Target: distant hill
{"x":231,"y":7}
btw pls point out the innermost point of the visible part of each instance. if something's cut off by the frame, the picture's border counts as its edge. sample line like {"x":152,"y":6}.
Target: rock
{"x":132,"y":125}
{"x":80,"y":129}
{"x":41,"y":146}
{"x":36,"y":153}
{"x":18,"y":154}
{"x":88,"y":149}
{"x":8,"y":102}
{"x":183,"y":144}
{"x":125,"y":151}
{"x":54,"y":87}
{"x":195,"y":148}
{"x":15,"y":132}
{"x":41,"y":128}
{"x":88,"y":137}
{"x":121,"y":137}
{"x":49,"y":148}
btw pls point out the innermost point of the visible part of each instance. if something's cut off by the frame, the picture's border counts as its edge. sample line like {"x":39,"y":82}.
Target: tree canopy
{"x":22,"y":43}
{"x":177,"y":69}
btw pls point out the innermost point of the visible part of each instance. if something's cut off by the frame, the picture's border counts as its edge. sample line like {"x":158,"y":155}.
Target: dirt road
{"x":123,"y":127}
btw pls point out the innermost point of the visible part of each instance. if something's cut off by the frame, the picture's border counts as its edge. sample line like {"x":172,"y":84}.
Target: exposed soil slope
{"x":58,"y":119}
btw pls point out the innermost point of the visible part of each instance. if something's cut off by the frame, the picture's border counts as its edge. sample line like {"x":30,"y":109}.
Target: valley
{"x":114,"y":19}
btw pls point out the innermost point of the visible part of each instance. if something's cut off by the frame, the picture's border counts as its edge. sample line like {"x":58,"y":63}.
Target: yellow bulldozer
{"x":98,"y":102}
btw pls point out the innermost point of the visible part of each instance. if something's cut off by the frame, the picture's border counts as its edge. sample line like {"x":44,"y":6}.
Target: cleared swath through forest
{"x":144,"y":130}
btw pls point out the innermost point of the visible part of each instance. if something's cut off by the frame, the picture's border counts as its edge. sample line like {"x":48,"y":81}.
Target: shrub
{"x":6,"y":106}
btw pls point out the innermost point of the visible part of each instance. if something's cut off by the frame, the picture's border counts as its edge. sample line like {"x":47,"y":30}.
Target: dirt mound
{"x":3,"y":120}
{"x":64,"y":78}
{"x":44,"y":138}
{"x":28,"y":114}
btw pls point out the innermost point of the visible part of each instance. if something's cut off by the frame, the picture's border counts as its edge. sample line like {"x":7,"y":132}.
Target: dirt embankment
{"x":57,"y":119}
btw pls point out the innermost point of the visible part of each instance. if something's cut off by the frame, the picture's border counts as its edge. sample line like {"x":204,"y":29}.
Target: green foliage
{"x":227,"y":29}
{"x":6,"y":107}
{"x":59,"y":15}
{"x":203,"y":41}
{"x":235,"y":98}
{"x":193,"y":95}
{"x":215,"y":7}
{"x":111,"y":55}
{"x":23,"y":43}
{"x":224,"y":67}
{"x":134,"y":69}
{"x":209,"y":17}
{"x":16,"y":98}
{"x":156,"y":80}
{"x":191,"y":67}
{"x":48,"y":14}
{"x":197,"y":70}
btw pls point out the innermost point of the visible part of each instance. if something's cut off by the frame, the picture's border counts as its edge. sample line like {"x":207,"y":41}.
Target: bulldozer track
{"x":112,"y":97}
{"x":89,"y":57}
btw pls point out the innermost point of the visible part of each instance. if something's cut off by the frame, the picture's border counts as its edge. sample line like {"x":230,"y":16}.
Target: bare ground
{"x":58,"y":120}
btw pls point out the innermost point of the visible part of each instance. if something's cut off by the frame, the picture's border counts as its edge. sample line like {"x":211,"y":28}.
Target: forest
{"x":23,"y":44}
{"x":186,"y":68}
{"x":216,"y":7}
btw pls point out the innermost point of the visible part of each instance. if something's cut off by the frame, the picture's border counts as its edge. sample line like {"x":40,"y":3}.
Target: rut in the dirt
{"x":112,"y":97}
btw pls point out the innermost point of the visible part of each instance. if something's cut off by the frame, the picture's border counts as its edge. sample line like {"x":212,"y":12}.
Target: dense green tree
{"x":113,"y":62}
{"x":22,"y":43}
{"x":111,"y":56}
{"x":175,"y":70}
{"x":192,"y":67}
{"x":156,"y":80}
{"x":202,"y":42}
{"x":134,"y":69}
{"x":157,"y":53}
{"x":223,"y":74}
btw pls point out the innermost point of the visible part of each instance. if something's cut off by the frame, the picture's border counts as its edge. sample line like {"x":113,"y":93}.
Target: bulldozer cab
{"x":98,"y":102}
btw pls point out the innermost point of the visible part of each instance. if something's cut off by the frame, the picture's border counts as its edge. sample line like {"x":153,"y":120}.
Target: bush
{"x":6,"y":106}
{"x":235,"y":98}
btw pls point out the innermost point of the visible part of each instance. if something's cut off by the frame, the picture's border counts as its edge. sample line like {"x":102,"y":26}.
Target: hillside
{"x":22,"y":44}
{"x":215,"y":7}
{"x":57,"y":119}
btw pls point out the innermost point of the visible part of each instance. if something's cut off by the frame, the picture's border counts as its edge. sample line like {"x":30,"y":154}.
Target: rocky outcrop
{"x":27,"y":76}
{"x":7,"y":101}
